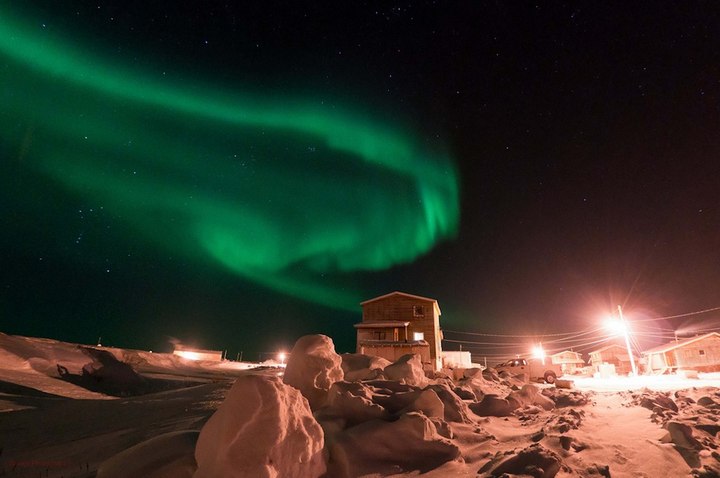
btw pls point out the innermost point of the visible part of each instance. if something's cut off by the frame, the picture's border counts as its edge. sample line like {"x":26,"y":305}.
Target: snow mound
{"x":352,"y":402}
{"x":530,"y":395}
{"x":691,"y":420}
{"x":408,"y":369}
{"x":410,"y":443}
{"x":105,"y":374}
{"x":534,"y":461}
{"x":426,"y":402}
{"x":492,"y":406}
{"x":358,"y":367}
{"x":455,"y":409}
{"x":566,"y":398}
{"x":263,"y":429}
{"x":313,"y":367}
{"x":165,"y":456}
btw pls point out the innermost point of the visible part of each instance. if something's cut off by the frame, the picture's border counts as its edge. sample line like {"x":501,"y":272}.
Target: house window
{"x":701,"y":352}
{"x":418,"y":311}
{"x":418,"y":336}
{"x":379,"y":335}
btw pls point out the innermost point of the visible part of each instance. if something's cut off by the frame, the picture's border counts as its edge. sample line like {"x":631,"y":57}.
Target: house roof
{"x":558,"y":357}
{"x":607,"y":347}
{"x":395,"y":343}
{"x":428,"y":299}
{"x":386,"y":324}
{"x":680,"y":343}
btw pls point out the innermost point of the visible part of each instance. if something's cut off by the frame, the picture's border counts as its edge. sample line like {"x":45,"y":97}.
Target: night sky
{"x":238,"y":174}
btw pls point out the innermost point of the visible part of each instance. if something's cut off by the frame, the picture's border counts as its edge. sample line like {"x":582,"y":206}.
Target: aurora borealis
{"x":278,"y":190}
{"x":238,"y":174}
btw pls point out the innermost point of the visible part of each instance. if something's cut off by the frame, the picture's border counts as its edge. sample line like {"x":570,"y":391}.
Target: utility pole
{"x":626,"y":333}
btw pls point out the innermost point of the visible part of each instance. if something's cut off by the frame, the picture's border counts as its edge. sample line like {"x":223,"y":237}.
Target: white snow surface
{"x":407,"y":368}
{"x":621,"y":427}
{"x":263,"y":429}
{"x":313,"y":366}
{"x":164,"y":456}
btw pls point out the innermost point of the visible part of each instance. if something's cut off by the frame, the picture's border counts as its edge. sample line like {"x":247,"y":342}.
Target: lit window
{"x":418,"y":336}
{"x":418,"y":311}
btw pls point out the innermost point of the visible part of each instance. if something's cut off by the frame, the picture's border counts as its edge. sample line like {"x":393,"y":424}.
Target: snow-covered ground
{"x":651,"y":382}
{"x":482,"y":425}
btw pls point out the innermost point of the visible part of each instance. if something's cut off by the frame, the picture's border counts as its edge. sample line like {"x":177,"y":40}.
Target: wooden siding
{"x":570,"y":362}
{"x":403,"y":308}
{"x":394,"y":352}
{"x":567,"y":357}
{"x":616,"y":355}
{"x":689,"y":356}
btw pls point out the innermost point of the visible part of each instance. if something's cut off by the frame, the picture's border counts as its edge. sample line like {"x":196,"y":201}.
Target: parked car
{"x":535,"y":369}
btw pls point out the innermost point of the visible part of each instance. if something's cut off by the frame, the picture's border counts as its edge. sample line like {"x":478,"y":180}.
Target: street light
{"x":621,"y":327}
{"x":282,"y":356}
{"x":539,"y":353}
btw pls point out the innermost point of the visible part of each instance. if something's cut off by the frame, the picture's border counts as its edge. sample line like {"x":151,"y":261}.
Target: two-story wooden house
{"x":570,"y":361}
{"x":614,"y":354}
{"x":396,"y":324}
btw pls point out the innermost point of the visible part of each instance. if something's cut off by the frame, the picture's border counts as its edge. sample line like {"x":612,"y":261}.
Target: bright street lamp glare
{"x":619,"y":327}
{"x":616,"y":326}
{"x":539,"y":353}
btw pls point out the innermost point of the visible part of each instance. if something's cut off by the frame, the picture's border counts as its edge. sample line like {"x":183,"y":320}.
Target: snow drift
{"x":263,"y":429}
{"x":313,"y":367}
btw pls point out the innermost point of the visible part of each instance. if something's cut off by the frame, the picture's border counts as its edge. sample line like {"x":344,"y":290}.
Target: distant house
{"x":570,"y":362}
{"x":614,"y":354}
{"x":396,"y":324}
{"x":198,"y":354}
{"x":700,"y":353}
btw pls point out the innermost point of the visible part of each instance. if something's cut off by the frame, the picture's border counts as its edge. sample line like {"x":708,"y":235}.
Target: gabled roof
{"x":607,"y":347}
{"x":680,"y":343}
{"x":577,"y":359}
{"x":411,"y":296}
{"x":387,"y":324}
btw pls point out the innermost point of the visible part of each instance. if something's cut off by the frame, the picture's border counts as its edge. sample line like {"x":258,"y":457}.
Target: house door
{"x":670,"y":359}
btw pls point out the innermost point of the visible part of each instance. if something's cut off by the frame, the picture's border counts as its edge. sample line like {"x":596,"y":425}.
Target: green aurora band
{"x":284,"y":192}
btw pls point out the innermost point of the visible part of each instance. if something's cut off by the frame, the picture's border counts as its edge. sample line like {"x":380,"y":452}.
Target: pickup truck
{"x":535,"y":369}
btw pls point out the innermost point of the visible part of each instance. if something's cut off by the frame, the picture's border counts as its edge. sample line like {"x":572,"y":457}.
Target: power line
{"x":679,"y":315}
{"x":562,"y":334}
{"x":506,"y":335}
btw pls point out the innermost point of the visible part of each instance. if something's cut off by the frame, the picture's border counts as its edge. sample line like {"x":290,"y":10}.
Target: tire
{"x":550,"y":377}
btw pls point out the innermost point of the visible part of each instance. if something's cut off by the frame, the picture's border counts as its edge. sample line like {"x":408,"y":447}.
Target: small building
{"x":613,"y":354}
{"x":198,"y":354}
{"x":700,"y":353}
{"x":397,"y":324}
{"x":456,"y":359}
{"x":570,"y":362}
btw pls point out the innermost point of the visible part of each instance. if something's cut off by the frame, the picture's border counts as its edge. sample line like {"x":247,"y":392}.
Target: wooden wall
{"x":689,"y":356}
{"x":401,"y":307}
{"x":612,"y":355}
{"x":393,"y":353}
